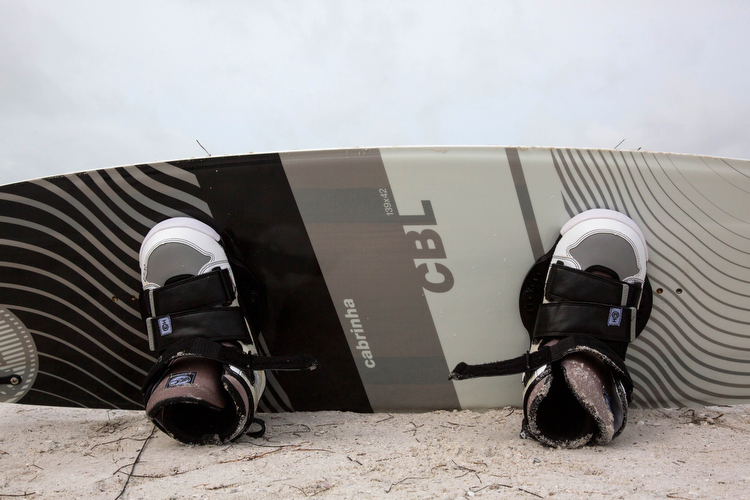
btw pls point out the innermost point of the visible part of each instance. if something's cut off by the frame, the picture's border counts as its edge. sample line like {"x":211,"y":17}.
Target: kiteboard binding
{"x":206,"y":385}
{"x":582,"y":303}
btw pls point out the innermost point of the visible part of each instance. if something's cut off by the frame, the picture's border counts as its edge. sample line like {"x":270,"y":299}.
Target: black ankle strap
{"x":569,"y":284}
{"x":582,"y":303}
{"x":545,"y":355}
{"x":199,"y":347}
{"x":610,"y":324}
{"x":217,"y":323}
{"x":196,"y":292}
{"x":193,"y":306}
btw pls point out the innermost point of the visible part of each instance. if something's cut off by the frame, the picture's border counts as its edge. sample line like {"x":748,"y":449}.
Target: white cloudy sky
{"x":89,"y":84}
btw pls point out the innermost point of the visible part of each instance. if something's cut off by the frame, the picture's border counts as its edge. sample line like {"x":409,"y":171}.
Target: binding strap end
{"x":521,"y":364}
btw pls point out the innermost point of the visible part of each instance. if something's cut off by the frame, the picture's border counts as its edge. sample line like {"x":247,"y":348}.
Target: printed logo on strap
{"x":615,"y":316}
{"x":165,"y":325}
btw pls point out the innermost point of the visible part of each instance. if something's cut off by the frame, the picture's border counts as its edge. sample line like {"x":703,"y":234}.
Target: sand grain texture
{"x":67,"y":453}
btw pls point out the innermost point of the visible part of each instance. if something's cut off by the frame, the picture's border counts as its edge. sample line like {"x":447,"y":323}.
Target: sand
{"x":65,"y":453}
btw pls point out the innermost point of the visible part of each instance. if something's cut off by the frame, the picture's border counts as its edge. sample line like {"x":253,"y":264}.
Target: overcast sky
{"x":91,"y":84}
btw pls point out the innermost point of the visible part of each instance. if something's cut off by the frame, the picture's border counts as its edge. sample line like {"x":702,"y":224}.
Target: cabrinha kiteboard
{"x":388,"y":266}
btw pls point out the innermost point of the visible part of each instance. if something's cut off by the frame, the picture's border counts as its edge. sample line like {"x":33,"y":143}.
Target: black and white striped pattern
{"x":69,"y":279}
{"x":694,"y":213}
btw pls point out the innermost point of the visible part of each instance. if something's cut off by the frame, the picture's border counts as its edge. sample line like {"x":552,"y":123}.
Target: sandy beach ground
{"x":67,"y":453}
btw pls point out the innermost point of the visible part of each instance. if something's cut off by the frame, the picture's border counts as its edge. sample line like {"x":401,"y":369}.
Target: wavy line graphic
{"x":111,"y":195}
{"x":83,"y":218}
{"x":77,"y":270}
{"x":104,"y":234}
{"x":694,"y":349}
{"x":84,"y":233}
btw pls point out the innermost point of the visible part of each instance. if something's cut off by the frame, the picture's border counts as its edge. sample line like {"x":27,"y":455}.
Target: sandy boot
{"x":195,"y":393}
{"x":582,"y":304}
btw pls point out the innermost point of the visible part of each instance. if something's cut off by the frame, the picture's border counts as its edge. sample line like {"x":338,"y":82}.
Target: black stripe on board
{"x":250,"y":196}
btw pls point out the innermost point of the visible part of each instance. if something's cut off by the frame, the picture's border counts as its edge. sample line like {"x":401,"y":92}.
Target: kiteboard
{"x":389,"y":266}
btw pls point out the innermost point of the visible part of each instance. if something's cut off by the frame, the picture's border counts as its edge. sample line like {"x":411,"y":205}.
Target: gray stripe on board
{"x":90,"y":376}
{"x":91,"y":339}
{"x":83,"y":274}
{"x":96,"y":264}
{"x":117,"y":200}
{"x":167,"y":190}
{"x":109,"y":214}
{"x":524,"y":200}
{"x":102,"y":363}
{"x":80,"y":293}
{"x":176,"y":172}
{"x":70,"y":199}
{"x":139,"y":197}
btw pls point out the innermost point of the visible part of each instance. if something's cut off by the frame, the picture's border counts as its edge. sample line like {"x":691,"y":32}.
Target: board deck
{"x":388,"y":265}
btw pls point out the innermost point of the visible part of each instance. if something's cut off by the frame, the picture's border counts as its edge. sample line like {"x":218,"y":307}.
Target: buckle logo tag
{"x":615,"y":316}
{"x":165,"y":325}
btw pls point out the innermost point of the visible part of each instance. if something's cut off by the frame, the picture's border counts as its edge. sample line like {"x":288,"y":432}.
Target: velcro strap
{"x":560,"y":319}
{"x":203,"y":348}
{"x":545,"y":355}
{"x":218,"y":323}
{"x":569,"y":284}
{"x":197,"y":292}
